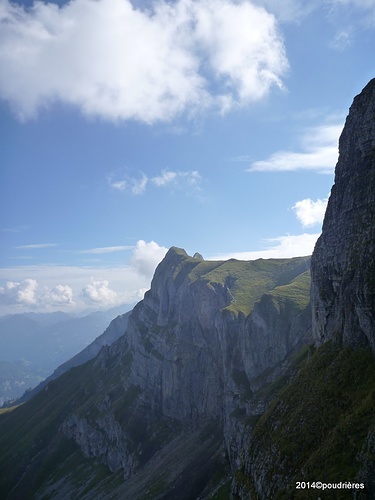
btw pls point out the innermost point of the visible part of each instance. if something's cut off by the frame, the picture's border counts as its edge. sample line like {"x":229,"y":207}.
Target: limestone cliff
{"x":343,"y":263}
{"x":168,"y":401}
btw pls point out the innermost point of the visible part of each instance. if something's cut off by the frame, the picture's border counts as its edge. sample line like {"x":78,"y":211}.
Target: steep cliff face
{"x":195,"y":327}
{"x":322,"y":426}
{"x":343,"y":263}
{"x":168,"y":401}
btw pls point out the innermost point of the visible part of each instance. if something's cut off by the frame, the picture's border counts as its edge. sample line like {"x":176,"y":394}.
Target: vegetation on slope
{"x":249,"y":280}
{"x":321,"y":428}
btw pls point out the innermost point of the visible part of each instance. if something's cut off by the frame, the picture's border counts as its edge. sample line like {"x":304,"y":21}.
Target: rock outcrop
{"x":343,"y":263}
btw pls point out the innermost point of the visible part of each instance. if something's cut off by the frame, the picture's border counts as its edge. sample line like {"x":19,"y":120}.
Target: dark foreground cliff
{"x":321,"y":429}
{"x":343,"y":264}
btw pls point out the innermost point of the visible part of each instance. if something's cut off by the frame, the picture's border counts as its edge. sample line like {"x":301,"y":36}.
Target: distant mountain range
{"x":33,"y":345}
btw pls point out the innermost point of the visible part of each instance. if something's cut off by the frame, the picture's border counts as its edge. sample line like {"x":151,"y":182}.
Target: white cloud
{"x":60,"y":294}
{"x":166,"y":177}
{"x":103,"y":286}
{"x":21,"y":293}
{"x":37,"y":245}
{"x":282,"y":247}
{"x":28,"y":293}
{"x":100,"y":293}
{"x":342,"y":40}
{"x":118,"y":185}
{"x":310,"y":212}
{"x":101,"y":250}
{"x":146,"y":257}
{"x":16,"y":229}
{"x":319,"y":152}
{"x":137,"y":186}
{"x":112,"y":60}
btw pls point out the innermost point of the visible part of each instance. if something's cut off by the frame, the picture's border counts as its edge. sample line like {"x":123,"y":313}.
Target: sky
{"x":128,"y":127}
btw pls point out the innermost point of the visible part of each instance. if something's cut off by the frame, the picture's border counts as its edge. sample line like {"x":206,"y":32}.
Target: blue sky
{"x":127,"y":128}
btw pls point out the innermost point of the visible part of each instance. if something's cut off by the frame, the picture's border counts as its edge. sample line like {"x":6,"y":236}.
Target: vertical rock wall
{"x":343,"y":263}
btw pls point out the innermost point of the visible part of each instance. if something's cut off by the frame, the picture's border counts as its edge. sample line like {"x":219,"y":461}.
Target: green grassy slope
{"x":249,"y":280}
{"x":320,"y":428}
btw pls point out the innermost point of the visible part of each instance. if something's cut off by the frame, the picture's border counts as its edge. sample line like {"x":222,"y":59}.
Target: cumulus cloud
{"x":146,"y":257}
{"x":71,"y":288}
{"x":98,"y":291}
{"x":112,"y":60}
{"x":319,"y":153}
{"x":60,"y":294}
{"x":310,"y":212}
{"x":177,"y":179}
{"x":28,"y":293}
{"x":282,"y":247}
{"x":21,"y":293}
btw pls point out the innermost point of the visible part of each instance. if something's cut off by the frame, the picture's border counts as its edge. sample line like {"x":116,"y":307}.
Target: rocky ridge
{"x":204,"y":340}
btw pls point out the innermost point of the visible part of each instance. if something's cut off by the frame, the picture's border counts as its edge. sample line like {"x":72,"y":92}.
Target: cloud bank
{"x":70,"y":288}
{"x":117,"y":62}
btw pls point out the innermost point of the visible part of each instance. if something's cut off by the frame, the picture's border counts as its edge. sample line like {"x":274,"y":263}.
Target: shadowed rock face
{"x":343,"y":263}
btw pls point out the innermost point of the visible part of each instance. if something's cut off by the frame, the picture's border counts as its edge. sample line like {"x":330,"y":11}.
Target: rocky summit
{"x":227,"y":382}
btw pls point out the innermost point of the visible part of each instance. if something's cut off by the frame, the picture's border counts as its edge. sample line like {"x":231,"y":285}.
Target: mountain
{"x":322,"y":426}
{"x":33,"y":345}
{"x":166,"y":401}
{"x":228,"y":382}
